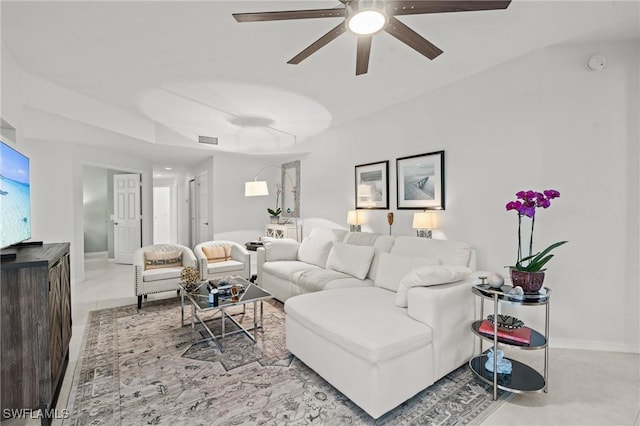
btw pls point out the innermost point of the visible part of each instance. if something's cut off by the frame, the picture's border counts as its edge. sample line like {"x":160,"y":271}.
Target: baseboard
{"x":96,"y":255}
{"x":93,"y":258}
{"x":594,"y":345}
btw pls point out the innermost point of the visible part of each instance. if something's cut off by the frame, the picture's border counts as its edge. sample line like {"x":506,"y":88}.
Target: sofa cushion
{"x":449,"y":252}
{"x":361,"y":238}
{"x":348,"y":282}
{"x":392,"y":267}
{"x":426,"y":276}
{"x":363,"y":321}
{"x":162,"y":258}
{"x":286,"y":269}
{"x":280,"y":249}
{"x":217,"y":253}
{"x":158,"y":274}
{"x":225,"y":266}
{"x":351,"y":259}
{"x":311,"y":280}
{"x":382,"y":244}
{"x":314,"y":251}
{"x":328,"y":234}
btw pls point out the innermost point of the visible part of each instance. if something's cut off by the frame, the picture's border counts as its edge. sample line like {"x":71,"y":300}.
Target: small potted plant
{"x":190,"y":278}
{"x":275,"y":214}
{"x":528,"y":272}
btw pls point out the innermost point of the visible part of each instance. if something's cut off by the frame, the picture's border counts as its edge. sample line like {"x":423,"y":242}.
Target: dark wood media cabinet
{"x":35,"y":326}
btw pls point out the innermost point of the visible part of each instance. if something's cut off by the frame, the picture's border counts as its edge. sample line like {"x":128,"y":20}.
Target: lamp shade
{"x":255,"y":188}
{"x":352,"y":217}
{"x":424,"y":220}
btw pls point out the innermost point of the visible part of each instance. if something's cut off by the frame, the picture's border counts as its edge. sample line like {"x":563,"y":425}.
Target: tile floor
{"x":585,"y":387}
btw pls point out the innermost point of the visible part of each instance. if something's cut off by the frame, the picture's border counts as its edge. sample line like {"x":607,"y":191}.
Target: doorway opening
{"x":98,"y":212}
{"x":165,"y":224}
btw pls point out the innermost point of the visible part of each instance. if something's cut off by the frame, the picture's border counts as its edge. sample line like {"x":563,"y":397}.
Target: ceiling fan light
{"x":365,"y":22}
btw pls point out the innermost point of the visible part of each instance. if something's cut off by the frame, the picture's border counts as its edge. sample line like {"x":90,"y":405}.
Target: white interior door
{"x":127,"y":235}
{"x":193,"y":228}
{"x":162,"y":225}
{"x":202,"y":189}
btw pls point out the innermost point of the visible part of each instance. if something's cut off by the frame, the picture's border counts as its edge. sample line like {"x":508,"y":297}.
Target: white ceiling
{"x":192,"y":68}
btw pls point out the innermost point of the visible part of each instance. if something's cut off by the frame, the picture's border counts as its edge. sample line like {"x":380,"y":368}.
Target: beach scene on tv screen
{"x":15,"y":224}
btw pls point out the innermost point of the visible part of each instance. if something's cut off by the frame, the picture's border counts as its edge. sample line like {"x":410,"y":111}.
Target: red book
{"x":520,"y":335}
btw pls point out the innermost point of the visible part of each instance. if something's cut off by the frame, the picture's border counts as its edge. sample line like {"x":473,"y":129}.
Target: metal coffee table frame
{"x":200,"y":305}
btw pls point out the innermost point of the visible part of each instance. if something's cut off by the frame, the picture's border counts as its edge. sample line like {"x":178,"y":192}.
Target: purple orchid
{"x":525,"y":204}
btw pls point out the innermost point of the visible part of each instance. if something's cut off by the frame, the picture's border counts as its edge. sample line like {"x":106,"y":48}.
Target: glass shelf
{"x":503,"y":295}
{"x":523,"y":379}
{"x":538,"y":340}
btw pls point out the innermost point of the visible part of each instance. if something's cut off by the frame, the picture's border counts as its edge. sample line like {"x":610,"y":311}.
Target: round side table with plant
{"x":528,"y":271}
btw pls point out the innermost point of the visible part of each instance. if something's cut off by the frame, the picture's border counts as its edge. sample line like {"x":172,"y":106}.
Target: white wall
{"x":10,"y":92}
{"x":542,"y":121}
{"x":236,"y":217}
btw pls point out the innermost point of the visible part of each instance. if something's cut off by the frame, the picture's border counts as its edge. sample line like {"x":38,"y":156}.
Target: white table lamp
{"x":354,"y":221}
{"x":423,"y":223}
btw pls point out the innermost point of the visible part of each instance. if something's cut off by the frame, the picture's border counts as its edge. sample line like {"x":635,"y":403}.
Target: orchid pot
{"x":531,"y":282}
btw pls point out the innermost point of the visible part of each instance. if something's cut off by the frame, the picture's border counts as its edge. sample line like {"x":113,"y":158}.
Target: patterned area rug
{"x":141,"y":367}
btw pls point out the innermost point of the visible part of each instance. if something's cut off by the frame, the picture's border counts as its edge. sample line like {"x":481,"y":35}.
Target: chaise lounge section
{"x":395,"y":334}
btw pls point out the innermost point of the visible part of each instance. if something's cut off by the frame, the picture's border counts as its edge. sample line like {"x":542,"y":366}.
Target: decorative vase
{"x":495,"y":280}
{"x":275,"y":219}
{"x":530,"y":282}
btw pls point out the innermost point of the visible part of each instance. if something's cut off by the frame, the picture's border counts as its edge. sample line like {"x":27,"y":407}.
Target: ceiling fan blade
{"x":318,"y":44}
{"x":413,"y":7}
{"x":362,"y":55}
{"x":412,"y":38}
{"x":290,"y":14}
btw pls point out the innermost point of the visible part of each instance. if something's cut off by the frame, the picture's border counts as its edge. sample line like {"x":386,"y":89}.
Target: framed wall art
{"x":420,"y":180}
{"x":372,"y":185}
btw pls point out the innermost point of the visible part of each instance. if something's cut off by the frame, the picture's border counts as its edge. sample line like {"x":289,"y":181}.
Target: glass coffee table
{"x":201,"y":308}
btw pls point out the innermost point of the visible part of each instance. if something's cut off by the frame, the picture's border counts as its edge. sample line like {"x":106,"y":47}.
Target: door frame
{"x":146,"y":179}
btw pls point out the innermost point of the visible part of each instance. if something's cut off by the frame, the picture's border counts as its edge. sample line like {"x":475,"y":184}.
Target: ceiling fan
{"x":364,"y":18}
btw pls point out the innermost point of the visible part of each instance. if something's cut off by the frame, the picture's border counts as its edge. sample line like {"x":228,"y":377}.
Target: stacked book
{"x":519,"y":335}
{"x":224,"y":288}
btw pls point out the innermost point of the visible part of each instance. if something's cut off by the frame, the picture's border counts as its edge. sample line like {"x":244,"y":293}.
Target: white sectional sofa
{"x":384,"y":336}
{"x":335,"y":258}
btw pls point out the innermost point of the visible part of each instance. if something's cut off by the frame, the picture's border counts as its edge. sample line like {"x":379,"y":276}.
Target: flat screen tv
{"x":15,"y":197}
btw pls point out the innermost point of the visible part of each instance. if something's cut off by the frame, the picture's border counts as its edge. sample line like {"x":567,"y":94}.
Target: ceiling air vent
{"x":208,"y":140}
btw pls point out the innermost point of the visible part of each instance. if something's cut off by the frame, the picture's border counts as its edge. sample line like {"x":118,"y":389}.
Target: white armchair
{"x":219,"y":258}
{"x":158,"y":268}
